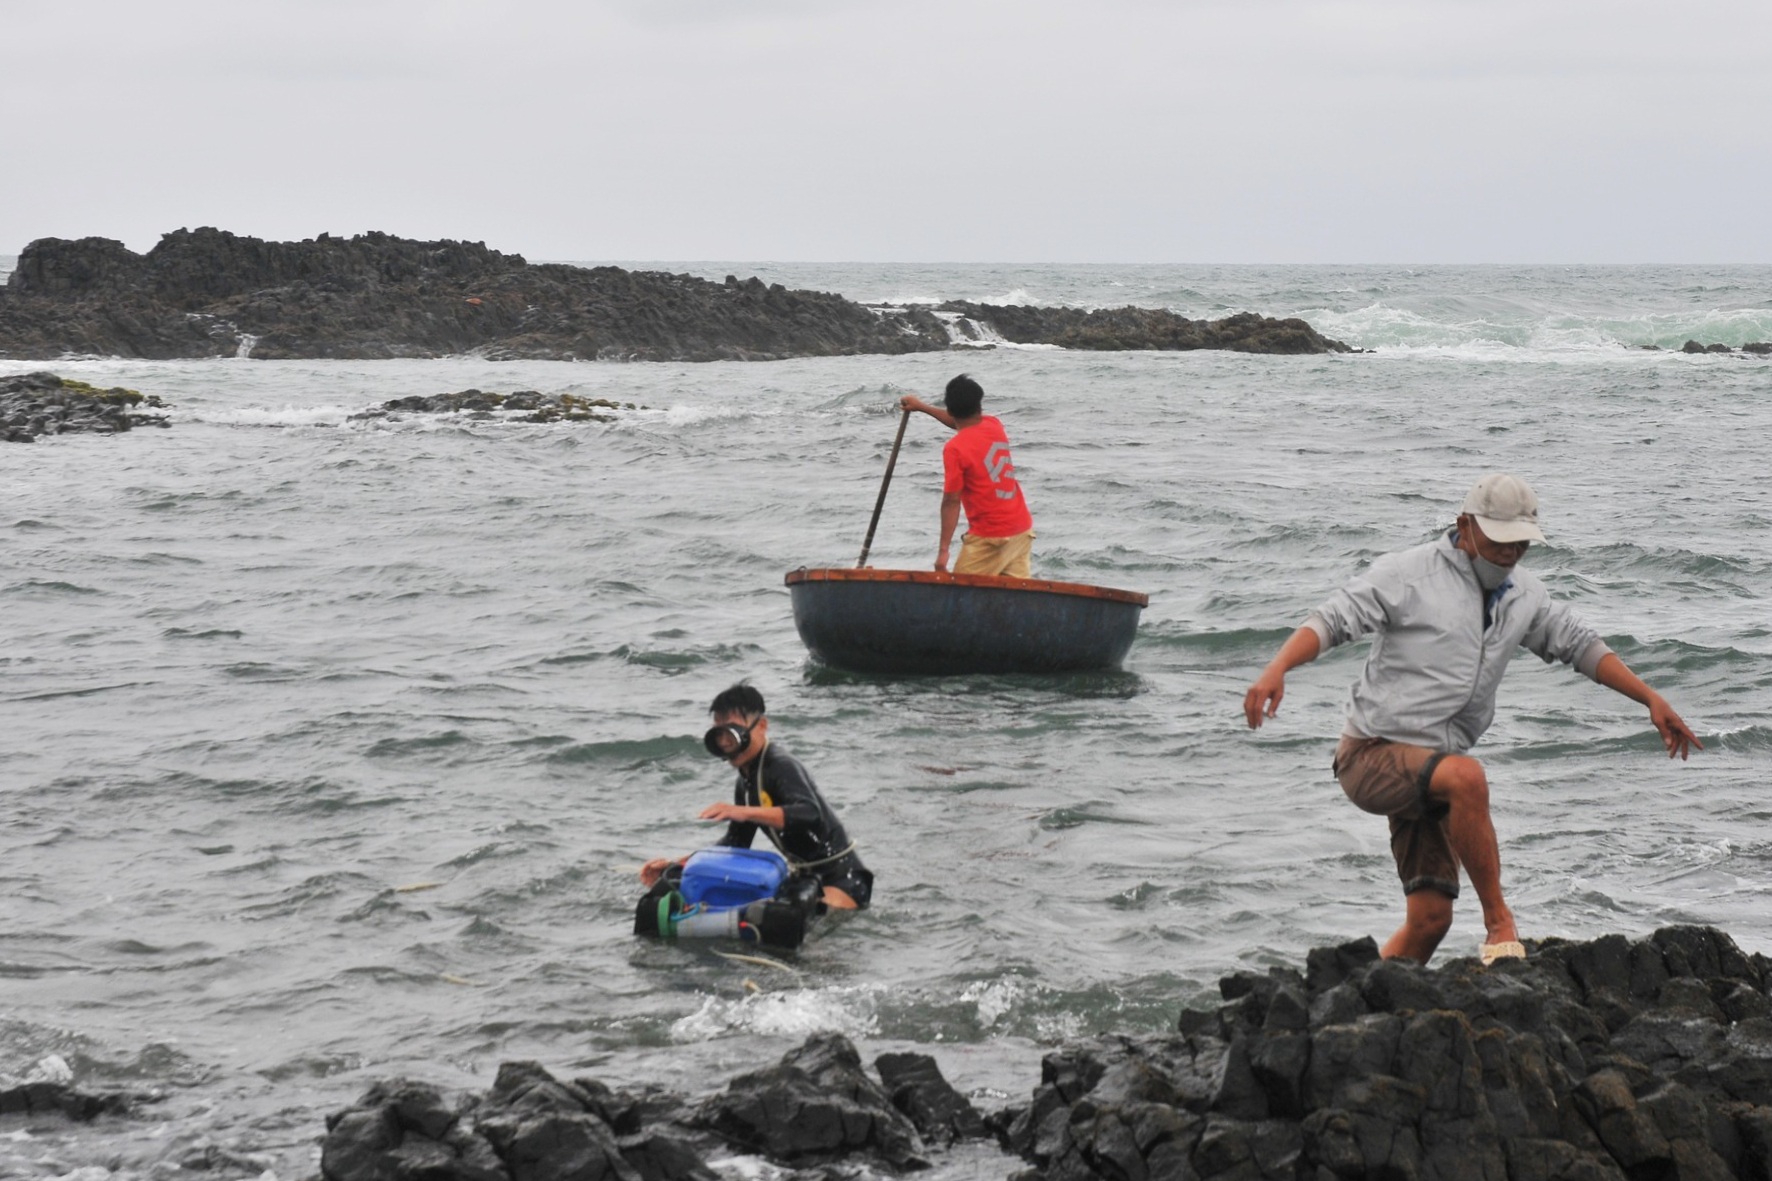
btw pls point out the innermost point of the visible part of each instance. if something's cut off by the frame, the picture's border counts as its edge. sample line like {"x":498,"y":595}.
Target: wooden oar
{"x":868,"y":542}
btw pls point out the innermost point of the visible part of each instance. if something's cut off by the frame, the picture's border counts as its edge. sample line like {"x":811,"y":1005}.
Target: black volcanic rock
{"x":521,"y":406}
{"x":1144,"y":328}
{"x":206,"y":293}
{"x":1753,"y":348}
{"x":1606,"y":1060}
{"x":529,"y":1126}
{"x":33,"y":404}
{"x":817,"y":1106}
{"x":817,"y":1102}
{"x":41,"y":1098}
{"x":940,"y":1114}
{"x":209,"y":293}
{"x":542,"y":1128}
{"x":1648,"y":1061}
{"x":404,"y":1130}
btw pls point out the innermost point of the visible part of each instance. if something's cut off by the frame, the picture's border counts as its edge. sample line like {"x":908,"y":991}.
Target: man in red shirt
{"x":979,"y":475}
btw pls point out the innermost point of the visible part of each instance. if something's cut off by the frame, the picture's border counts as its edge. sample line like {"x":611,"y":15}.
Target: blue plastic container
{"x":721,"y":878}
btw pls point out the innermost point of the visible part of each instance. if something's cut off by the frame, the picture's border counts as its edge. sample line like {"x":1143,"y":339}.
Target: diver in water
{"x":776,"y":794}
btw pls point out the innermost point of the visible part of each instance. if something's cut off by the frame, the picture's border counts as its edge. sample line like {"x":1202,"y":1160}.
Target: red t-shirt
{"x":976,"y":464}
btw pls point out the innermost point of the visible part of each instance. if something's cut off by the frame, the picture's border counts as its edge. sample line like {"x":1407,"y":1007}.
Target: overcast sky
{"x":843,"y":130}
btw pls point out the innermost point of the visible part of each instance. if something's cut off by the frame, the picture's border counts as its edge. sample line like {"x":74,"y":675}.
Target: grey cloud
{"x":1258,"y":130}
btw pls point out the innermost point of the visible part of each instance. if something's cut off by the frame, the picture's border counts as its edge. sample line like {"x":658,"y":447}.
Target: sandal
{"x":1507,"y":949}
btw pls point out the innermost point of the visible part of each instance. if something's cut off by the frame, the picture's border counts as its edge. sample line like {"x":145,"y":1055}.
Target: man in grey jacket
{"x":1447,"y":617}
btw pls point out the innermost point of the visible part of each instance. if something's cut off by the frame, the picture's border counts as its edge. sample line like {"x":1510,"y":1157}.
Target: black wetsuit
{"x":813,"y":832}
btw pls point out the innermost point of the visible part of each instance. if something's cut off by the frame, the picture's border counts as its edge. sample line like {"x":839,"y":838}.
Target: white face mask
{"x":1489,"y":574}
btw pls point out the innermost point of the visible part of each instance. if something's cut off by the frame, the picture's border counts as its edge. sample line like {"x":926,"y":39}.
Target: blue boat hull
{"x":904,"y":622}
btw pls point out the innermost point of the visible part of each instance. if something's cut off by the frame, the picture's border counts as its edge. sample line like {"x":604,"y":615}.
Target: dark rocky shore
{"x":1141,"y":328}
{"x":1607,"y":1060}
{"x":209,"y":293}
{"x":521,"y":406}
{"x":45,"y":1098}
{"x":33,"y":404}
{"x":1754,"y":348}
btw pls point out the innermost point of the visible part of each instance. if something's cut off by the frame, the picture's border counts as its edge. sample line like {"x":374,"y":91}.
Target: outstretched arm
{"x":1675,"y":734}
{"x":912,"y":402}
{"x":1263,"y":699}
{"x":745,"y":814}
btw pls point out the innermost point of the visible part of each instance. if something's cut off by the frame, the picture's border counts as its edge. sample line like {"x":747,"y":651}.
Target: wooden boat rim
{"x":944,"y":578}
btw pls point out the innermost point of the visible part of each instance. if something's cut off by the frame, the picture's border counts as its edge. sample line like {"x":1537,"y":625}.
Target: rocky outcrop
{"x":521,"y":406}
{"x":1641,"y":1061}
{"x":33,"y":404}
{"x":817,"y":1106}
{"x":42,"y":1098}
{"x":1140,"y":328}
{"x":941,"y":1114}
{"x":817,"y":1103}
{"x":1598,"y":1061}
{"x":1757,"y":348}
{"x":209,"y":293}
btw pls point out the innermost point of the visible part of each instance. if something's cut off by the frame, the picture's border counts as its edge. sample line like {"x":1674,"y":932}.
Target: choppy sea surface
{"x":331,"y":746}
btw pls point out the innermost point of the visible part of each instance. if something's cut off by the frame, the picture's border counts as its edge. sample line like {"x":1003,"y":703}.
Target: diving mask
{"x":727,"y":740}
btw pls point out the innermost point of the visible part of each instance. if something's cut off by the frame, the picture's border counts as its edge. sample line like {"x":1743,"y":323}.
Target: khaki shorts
{"x":1390,"y":779}
{"x":996,"y":555}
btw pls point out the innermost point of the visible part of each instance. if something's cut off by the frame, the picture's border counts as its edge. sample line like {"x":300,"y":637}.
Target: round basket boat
{"x":924,"y":622}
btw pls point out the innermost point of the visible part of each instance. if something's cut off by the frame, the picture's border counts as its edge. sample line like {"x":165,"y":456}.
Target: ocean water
{"x":331,"y":746}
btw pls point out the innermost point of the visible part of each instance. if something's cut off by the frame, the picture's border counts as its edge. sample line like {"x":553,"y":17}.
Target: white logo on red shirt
{"x":998,"y":464}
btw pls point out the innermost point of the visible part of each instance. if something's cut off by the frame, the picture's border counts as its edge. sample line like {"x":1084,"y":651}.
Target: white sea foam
{"x":1384,"y":326}
{"x":747,"y":1168}
{"x":851,"y":1011}
{"x":994,"y":998}
{"x":967,"y":332}
{"x":51,"y":1068}
{"x":1004,"y":998}
{"x":1055,"y":1027}
{"x":695,"y":415}
{"x":267,"y":416}
{"x":1379,"y":325}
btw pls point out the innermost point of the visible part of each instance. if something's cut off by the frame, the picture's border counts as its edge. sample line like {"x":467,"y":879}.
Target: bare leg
{"x":1459,"y":781}
{"x":838,"y":899}
{"x":1426,"y":919}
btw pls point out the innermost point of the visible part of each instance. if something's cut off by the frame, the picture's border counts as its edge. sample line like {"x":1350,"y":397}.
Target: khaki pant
{"x":996,"y":555}
{"x":1390,"y":779}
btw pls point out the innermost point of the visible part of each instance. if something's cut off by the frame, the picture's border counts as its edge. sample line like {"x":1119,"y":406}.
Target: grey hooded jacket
{"x":1431,"y":677}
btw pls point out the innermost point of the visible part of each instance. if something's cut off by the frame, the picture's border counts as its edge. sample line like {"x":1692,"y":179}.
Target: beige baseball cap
{"x":1505,"y":507}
